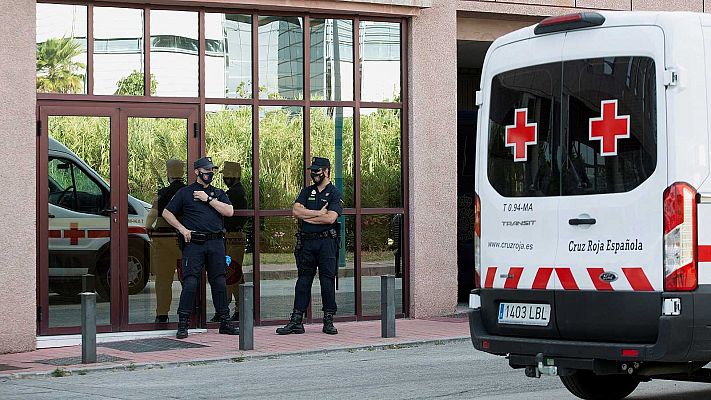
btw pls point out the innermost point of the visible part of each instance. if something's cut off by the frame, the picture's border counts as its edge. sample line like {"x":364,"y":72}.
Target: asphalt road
{"x":444,"y":371}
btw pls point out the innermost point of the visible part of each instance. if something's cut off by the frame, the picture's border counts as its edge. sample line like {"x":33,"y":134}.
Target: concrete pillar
{"x":432,"y":81}
{"x":17,"y":155}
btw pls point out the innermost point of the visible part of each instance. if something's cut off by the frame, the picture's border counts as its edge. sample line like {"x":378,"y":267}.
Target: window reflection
{"x":381,"y":159}
{"x":331,"y":59}
{"x":380,"y":61}
{"x":332,"y":137}
{"x":78,"y":192}
{"x":61,"y":48}
{"x":381,"y":254}
{"x":228,"y":138}
{"x":281,"y":58}
{"x":277,"y":267}
{"x":228,"y":56}
{"x":281,"y":162}
{"x":174,"y":53}
{"x":118,"y":51}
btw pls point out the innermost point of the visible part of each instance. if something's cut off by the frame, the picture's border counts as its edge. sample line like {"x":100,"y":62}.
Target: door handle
{"x":582,"y":221}
{"x":112,"y":210}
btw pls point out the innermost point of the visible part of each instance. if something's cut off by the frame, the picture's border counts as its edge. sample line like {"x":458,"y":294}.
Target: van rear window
{"x":591,"y":131}
{"x":525,"y":103}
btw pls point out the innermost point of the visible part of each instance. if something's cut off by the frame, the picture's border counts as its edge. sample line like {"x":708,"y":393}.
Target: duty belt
{"x":208,"y":235}
{"x":331,"y":233}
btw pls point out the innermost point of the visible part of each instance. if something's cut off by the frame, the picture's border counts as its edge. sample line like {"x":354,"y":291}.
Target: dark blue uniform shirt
{"x":198,"y":215}
{"x":312,"y":199}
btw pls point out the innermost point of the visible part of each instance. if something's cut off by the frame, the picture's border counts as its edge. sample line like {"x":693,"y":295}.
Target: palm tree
{"x":56,"y":70}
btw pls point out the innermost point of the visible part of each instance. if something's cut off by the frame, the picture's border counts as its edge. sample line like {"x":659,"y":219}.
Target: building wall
{"x":17,"y":176}
{"x":433,"y":155}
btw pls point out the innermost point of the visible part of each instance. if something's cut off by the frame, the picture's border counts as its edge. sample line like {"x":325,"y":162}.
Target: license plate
{"x":524,"y":314}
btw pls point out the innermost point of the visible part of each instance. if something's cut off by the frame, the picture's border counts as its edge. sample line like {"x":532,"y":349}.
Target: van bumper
{"x":674,"y":339}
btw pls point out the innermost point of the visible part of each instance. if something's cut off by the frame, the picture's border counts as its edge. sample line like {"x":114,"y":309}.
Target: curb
{"x":236,"y":359}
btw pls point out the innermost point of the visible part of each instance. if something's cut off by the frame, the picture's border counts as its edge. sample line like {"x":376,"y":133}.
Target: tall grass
{"x":228,"y":137}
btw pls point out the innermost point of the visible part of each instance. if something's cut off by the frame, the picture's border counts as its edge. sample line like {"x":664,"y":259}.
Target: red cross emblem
{"x":609,"y":127}
{"x":74,"y":234}
{"x":521,"y":134}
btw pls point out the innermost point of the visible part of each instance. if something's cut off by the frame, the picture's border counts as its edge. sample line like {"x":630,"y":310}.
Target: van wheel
{"x":137,"y":270}
{"x":588,"y":386}
{"x":138,"y":273}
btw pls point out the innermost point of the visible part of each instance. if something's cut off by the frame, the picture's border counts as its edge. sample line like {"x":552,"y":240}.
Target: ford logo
{"x":608,"y":276}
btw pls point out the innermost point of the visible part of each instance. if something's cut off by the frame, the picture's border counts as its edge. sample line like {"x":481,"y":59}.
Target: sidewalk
{"x":210,"y":346}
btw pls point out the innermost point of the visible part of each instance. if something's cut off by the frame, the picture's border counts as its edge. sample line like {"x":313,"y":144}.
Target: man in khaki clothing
{"x":235,"y":236}
{"x":165,"y":253}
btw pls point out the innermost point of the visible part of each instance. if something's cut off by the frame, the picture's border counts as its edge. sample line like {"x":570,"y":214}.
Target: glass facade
{"x":254,"y":120}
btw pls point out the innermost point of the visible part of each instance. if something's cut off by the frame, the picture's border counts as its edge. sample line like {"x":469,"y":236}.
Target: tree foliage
{"x":132,"y":85}
{"x":57,"y":72}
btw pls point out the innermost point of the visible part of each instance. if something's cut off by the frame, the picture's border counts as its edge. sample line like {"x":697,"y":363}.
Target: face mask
{"x":207,"y":177}
{"x":317,"y":177}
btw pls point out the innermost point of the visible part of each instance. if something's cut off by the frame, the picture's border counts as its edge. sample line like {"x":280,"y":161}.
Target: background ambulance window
{"x":536,"y":89}
{"x":71,"y":188}
{"x":586,"y":84}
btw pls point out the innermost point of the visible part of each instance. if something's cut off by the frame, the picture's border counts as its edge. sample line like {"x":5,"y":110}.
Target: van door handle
{"x":108,"y":211}
{"x":582,"y":221}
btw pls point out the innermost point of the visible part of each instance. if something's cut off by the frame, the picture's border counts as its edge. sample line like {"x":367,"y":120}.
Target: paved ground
{"x":450,"y":370}
{"x":212,"y":346}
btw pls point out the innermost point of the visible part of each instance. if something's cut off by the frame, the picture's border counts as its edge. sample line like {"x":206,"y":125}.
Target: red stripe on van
{"x":638,"y":280}
{"x":565,"y":275}
{"x":543,"y":276}
{"x":595,"y":277}
{"x":513,"y":278}
{"x":704,"y":253}
{"x":490,"y":275}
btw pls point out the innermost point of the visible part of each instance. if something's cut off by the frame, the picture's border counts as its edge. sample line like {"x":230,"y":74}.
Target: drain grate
{"x":6,"y":367}
{"x":100,"y":358}
{"x":150,"y":345}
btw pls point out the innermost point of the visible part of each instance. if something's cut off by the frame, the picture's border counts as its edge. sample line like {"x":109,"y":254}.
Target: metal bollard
{"x":88,"y":328}
{"x":387,"y":306}
{"x":88,"y":283}
{"x":246,"y":316}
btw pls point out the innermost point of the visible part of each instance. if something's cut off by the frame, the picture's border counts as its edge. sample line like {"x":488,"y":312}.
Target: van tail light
{"x":569,"y":22}
{"x":477,"y":241}
{"x":680,"y":238}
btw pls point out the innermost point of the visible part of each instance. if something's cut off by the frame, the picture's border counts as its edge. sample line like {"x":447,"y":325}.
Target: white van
{"x":593,"y":228}
{"x":80,"y":230}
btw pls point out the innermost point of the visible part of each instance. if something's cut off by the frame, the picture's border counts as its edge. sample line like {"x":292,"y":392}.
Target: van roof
{"x":55,"y":145}
{"x":619,"y":18}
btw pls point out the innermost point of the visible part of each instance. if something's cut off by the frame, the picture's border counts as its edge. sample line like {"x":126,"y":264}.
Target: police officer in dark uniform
{"x":317,"y":208}
{"x":203,"y":208}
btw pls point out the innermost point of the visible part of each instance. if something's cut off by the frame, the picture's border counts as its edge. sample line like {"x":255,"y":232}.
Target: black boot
{"x":161,"y":319}
{"x":235,"y":316}
{"x":295,"y":325}
{"x":215,"y":318}
{"x":328,"y":323}
{"x":226,"y":328}
{"x":183,"y":323}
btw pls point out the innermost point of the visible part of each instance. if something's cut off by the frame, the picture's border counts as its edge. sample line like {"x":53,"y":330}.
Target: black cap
{"x":205,"y":163}
{"x":319,"y":162}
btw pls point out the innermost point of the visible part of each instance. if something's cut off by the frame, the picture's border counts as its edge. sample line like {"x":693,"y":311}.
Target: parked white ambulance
{"x":593,"y":228}
{"x":80,"y":230}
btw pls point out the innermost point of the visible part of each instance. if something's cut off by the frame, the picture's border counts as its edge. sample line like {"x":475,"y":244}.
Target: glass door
{"x":160,"y":145}
{"x":77,"y":214}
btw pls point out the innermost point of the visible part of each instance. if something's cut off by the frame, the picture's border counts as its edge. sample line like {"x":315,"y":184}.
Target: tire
{"x":138,"y":273}
{"x":138,"y":269}
{"x":588,"y":386}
